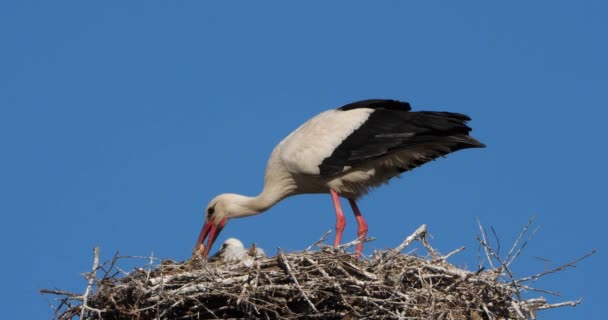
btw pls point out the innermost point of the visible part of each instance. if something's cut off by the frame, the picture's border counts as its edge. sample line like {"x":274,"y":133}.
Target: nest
{"x":324,"y":284}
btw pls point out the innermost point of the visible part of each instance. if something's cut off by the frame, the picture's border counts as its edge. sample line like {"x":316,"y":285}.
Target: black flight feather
{"x":391,"y":127}
{"x":377,"y":104}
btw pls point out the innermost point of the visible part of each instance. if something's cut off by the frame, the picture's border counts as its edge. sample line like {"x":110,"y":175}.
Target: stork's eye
{"x":210,"y":212}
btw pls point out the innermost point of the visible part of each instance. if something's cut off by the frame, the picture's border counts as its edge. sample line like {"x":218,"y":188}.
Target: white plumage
{"x":345,"y":152}
{"x":233,"y":250}
{"x":257,"y":252}
{"x":323,"y":134}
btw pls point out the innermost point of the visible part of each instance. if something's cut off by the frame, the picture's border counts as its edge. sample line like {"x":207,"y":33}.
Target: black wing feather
{"x":391,"y":127}
{"x":378,"y":104}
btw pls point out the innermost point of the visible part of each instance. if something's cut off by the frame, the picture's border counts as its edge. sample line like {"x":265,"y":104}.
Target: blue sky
{"x":119,"y":122}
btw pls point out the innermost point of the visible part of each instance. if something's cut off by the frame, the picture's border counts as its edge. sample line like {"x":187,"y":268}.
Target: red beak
{"x":211,"y":230}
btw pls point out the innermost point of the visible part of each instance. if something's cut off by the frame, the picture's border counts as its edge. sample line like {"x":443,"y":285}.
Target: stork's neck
{"x":278,"y":185}
{"x":272,"y":193}
{"x":266,"y":199}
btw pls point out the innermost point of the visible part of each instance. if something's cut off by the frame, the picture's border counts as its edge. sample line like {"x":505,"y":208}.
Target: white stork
{"x":345,"y":152}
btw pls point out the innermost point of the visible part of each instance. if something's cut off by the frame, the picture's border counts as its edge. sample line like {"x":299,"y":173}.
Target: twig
{"x":503,"y":266}
{"x":455,"y":251}
{"x":436,"y":255}
{"x":91,"y":277}
{"x":497,"y":239}
{"x":570,"y":264}
{"x":515,"y":305}
{"x":295,"y":280}
{"x":414,"y":236}
{"x":355,"y":242}
{"x":528,"y":288}
{"x":560,"y":304}
{"x":509,"y":259}
{"x":70,"y":295}
{"x":487,"y":311}
{"x":483,"y":236}
{"x":322,"y":239}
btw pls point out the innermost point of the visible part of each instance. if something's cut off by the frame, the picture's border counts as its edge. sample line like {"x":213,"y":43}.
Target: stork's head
{"x":219,"y":210}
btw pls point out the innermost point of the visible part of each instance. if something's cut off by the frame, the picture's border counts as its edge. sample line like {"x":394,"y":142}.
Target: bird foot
{"x":198,"y":251}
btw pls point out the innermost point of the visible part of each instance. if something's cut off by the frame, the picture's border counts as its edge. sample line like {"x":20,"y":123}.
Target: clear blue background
{"x":120,"y":121}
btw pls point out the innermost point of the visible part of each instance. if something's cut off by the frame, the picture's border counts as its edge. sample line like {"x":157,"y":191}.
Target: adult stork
{"x":345,"y":152}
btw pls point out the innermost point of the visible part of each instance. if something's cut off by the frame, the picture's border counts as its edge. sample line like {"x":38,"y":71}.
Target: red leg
{"x":361,"y":225}
{"x":340,"y":221}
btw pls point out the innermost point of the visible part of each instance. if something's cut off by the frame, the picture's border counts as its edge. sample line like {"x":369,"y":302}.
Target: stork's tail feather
{"x":441,"y":128}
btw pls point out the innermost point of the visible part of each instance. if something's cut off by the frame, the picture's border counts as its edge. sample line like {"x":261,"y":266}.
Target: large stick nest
{"x":325,"y":284}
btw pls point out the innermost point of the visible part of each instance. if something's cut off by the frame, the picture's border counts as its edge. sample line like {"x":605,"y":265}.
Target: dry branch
{"x":91,"y":277}
{"x":324,"y":284}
